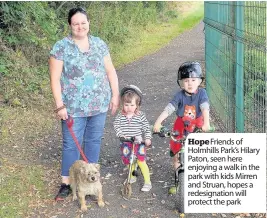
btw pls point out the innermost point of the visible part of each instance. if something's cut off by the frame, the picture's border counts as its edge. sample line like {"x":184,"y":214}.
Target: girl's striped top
{"x":136,"y":126}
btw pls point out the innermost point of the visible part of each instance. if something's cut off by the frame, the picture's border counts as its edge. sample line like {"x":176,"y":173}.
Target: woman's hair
{"x":129,"y":96}
{"x":74,"y":11}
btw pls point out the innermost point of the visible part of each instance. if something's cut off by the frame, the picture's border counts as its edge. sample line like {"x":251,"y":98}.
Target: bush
{"x":29,"y":29}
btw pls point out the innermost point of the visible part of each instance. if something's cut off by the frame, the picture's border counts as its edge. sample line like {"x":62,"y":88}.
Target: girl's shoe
{"x":132,"y":180}
{"x":146,"y":188}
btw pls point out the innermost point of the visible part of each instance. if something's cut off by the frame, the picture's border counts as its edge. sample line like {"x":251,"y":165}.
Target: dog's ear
{"x":83,"y":170}
{"x":97,"y":166}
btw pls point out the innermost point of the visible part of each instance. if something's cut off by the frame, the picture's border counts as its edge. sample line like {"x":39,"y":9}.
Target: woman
{"x":83,"y":79}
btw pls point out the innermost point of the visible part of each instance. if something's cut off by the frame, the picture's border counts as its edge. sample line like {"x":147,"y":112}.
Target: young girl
{"x":131,"y":122}
{"x":191,"y":104}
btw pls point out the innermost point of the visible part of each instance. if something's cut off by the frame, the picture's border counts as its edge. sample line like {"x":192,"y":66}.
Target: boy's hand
{"x":148,"y":142}
{"x":205,"y":128}
{"x":156,"y":127}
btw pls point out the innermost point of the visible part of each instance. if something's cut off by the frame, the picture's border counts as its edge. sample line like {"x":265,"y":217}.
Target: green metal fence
{"x":235,"y":53}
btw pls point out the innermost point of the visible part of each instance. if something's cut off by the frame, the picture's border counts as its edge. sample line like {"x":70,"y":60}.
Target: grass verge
{"x":22,"y":187}
{"x":157,"y":36}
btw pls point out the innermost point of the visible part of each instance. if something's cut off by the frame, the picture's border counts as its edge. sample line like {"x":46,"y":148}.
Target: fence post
{"x":239,"y":98}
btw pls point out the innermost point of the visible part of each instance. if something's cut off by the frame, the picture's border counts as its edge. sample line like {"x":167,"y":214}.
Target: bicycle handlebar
{"x":131,"y":139}
{"x":166,"y":133}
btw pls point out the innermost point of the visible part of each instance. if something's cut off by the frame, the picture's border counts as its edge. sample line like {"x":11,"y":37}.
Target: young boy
{"x":191,"y":104}
{"x":131,"y":122}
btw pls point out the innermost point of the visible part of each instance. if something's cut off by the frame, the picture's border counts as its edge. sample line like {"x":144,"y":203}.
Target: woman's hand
{"x":62,"y":114}
{"x":114,"y":84}
{"x":114,"y":104}
{"x":148,"y":142}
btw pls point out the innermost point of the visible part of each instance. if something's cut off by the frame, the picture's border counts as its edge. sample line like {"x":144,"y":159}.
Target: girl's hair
{"x":129,"y":96}
{"x":74,"y":11}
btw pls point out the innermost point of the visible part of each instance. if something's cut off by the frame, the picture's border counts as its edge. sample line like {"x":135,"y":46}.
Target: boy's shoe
{"x":63,"y":192}
{"x":146,"y":188}
{"x":172,"y":190}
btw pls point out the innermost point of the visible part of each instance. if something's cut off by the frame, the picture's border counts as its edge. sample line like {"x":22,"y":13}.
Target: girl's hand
{"x":156,"y":127}
{"x":148,"y":142}
{"x":122,"y":136}
{"x":205,"y":128}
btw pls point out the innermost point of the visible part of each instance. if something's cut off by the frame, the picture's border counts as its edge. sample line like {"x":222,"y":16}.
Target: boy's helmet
{"x":132,"y":88}
{"x":189,"y":70}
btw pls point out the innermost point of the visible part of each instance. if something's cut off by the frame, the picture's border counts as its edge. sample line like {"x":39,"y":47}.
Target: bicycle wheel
{"x":180,"y":193}
{"x":127,"y":190}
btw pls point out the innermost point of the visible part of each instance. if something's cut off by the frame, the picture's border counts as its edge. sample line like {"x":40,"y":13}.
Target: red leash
{"x":70,"y":124}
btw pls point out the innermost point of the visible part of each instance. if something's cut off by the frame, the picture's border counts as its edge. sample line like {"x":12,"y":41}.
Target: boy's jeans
{"x":88,"y":131}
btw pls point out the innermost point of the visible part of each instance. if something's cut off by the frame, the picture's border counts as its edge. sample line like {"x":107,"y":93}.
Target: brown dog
{"x":85,"y":178}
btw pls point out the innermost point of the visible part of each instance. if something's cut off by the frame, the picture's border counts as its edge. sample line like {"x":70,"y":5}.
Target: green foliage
{"x":29,"y":29}
{"x":28,"y":23}
{"x":171,"y":14}
{"x":115,"y":21}
{"x":23,"y":85}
